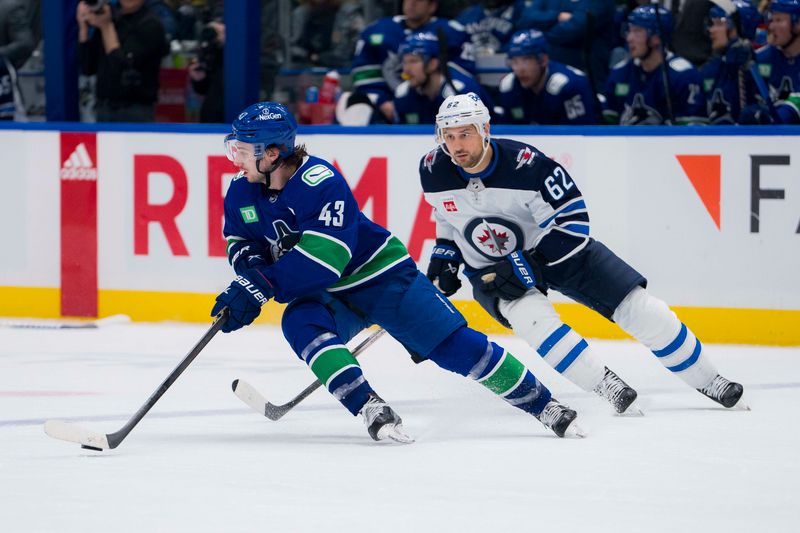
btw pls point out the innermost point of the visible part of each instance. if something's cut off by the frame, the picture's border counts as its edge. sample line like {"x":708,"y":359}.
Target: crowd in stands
{"x":623,"y":62}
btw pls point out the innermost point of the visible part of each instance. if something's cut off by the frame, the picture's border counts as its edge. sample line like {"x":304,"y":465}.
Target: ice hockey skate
{"x":560,"y":419}
{"x":382,"y":422}
{"x":619,"y":394}
{"x":724,"y":392}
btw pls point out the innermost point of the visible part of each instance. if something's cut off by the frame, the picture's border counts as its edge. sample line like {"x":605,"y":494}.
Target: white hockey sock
{"x":652,"y":322}
{"x":534,"y":319}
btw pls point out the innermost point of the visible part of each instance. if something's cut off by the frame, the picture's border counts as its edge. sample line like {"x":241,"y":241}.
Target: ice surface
{"x":203,"y":461}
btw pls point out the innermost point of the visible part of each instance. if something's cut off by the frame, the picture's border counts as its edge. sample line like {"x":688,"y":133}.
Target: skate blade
{"x":741,"y":405}
{"x":394,"y":433}
{"x":633,"y":409}
{"x":574,"y":431}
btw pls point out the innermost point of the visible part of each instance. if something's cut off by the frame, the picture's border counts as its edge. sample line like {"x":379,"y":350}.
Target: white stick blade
{"x":74,"y":433}
{"x":249,"y":395}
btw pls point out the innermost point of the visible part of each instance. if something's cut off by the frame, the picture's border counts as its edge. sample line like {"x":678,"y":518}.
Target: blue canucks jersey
{"x":782,"y":74}
{"x":377,"y":66}
{"x":337,"y":247}
{"x":523,"y":200}
{"x":413,"y":107}
{"x":566,"y":98}
{"x":728,"y":87}
{"x":490,"y":29}
{"x":634,"y":96}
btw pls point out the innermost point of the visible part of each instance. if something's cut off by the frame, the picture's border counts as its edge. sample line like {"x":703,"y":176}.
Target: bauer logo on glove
{"x":252,"y":289}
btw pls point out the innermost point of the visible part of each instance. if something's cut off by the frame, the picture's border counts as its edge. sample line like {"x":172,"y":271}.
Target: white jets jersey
{"x":522,"y":201}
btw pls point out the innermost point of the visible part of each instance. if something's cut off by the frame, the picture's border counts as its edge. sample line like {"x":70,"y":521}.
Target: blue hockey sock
{"x":469,"y":353}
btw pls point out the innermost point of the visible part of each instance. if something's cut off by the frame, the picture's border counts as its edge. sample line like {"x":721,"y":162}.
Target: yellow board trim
{"x":775,"y":327}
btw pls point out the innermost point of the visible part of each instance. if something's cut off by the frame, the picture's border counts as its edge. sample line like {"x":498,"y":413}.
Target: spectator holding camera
{"x":207,"y":72}
{"x":124,"y":48}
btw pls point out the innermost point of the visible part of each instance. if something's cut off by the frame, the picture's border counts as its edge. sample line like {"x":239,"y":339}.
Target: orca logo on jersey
{"x":285,"y":239}
{"x":506,"y":236}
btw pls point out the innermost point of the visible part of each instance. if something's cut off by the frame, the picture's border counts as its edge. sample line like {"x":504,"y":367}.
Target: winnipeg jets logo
{"x":494,"y":237}
{"x":285,"y":239}
{"x":494,"y":240}
{"x":430,"y":158}
{"x":525,"y":157}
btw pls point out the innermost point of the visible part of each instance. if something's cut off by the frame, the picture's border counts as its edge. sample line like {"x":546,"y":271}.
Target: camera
{"x":209,"y":52}
{"x":95,"y":5}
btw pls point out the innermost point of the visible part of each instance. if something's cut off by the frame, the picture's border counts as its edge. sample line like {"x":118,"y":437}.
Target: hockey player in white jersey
{"x":519,"y":224}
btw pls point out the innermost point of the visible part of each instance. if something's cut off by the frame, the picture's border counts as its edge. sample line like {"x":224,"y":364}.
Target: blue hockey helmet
{"x":263,"y":125}
{"x":792,"y":7}
{"x":655,"y":23}
{"x":747,"y":13}
{"x":425,"y":45}
{"x":527,"y":43}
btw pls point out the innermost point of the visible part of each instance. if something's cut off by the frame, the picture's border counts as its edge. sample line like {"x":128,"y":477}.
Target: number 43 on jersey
{"x":333,"y":215}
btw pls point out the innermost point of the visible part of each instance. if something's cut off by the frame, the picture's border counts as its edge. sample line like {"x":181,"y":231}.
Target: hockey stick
{"x":93,"y":324}
{"x":249,"y":395}
{"x":91,"y":440}
{"x":665,"y":65}
{"x":444,"y":58}
{"x":587,"y":59}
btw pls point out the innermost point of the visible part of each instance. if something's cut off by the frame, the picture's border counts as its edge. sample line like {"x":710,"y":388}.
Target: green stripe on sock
{"x":330,"y":361}
{"x":504,"y":377}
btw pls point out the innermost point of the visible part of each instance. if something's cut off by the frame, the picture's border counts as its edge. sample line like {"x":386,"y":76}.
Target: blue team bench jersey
{"x":337,"y":246}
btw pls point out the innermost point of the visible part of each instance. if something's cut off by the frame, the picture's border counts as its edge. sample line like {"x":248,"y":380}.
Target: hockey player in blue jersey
{"x":779,"y":61}
{"x":295,"y":234}
{"x":541,"y":91}
{"x":490,"y":23}
{"x":518,"y":223}
{"x":635,"y":90}
{"x":376,"y":67}
{"x":418,"y":98}
{"x":727,"y":79}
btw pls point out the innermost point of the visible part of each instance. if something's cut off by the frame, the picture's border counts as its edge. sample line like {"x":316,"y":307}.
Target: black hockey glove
{"x":244,"y":255}
{"x":443,"y":268}
{"x":510,"y":278}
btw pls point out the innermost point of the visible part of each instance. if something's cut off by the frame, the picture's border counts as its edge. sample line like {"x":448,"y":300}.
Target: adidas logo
{"x":79,"y":166}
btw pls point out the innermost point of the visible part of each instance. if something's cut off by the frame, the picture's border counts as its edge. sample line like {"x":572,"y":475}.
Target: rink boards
{"x":105,"y":222}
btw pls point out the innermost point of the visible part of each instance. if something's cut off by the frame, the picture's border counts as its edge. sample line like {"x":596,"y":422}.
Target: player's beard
{"x":471,"y":161}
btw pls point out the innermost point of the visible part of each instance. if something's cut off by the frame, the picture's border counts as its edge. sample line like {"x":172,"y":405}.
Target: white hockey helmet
{"x":459,"y":110}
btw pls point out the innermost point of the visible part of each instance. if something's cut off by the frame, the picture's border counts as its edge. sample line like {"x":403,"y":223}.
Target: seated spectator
{"x":325,"y":32}
{"x":17,"y":40}
{"x":778,"y":62}
{"x":11,"y":107}
{"x":727,"y":80}
{"x":125,"y":52}
{"x":417,"y":99}
{"x":635,"y":91}
{"x":376,"y":65}
{"x":543,"y":91}
{"x":490,"y":24}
